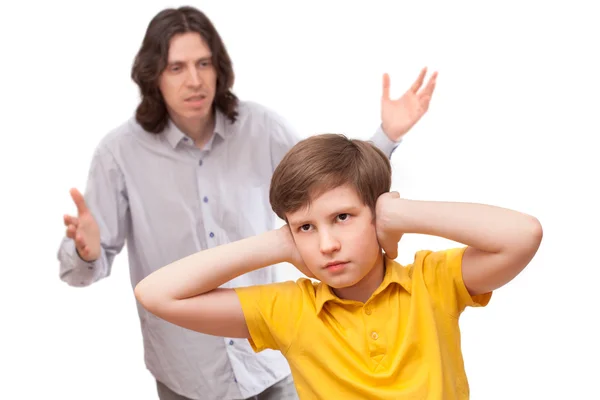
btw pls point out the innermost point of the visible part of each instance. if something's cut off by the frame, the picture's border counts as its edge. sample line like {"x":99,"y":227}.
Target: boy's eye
{"x":305,"y":227}
{"x":343,"y":217}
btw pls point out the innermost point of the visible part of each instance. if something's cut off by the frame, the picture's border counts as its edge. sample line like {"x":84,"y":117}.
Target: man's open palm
{"x":83,"y":229}
{"x":398,"y":116}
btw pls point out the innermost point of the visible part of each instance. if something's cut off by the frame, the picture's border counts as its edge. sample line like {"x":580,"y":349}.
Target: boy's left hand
{"x":387,"y":235}
{"x":400,"y":115}
{"x":293,"y":255}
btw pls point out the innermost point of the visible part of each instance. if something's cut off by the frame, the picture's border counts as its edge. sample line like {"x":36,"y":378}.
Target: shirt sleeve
{"x":106,"y":198}
{"x":383,"y":142}
{"x":282,"y":137}
{"x":442,"y":274}
{"x":272,"y":312}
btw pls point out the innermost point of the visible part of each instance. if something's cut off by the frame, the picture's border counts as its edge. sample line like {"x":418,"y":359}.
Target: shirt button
{"x":231,"y":342}
{"x":368,"y":311}
{"x":374,"y":336}
{"x":205,"y":199}
{"x":212,"y":235}
{"x":200,"y":163}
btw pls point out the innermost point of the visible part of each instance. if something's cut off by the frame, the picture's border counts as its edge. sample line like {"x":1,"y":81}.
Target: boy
{"x":371,"y":328}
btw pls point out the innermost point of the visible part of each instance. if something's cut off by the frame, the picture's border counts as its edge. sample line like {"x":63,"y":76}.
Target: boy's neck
{"x":363,"y":290}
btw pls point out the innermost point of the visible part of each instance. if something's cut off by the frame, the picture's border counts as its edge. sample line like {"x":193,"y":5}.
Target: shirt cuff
{"x":78,"y":262}
{"x":383,"y":142}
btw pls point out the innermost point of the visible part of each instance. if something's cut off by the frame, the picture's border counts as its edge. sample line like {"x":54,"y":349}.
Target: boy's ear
{"x":373,"y":215}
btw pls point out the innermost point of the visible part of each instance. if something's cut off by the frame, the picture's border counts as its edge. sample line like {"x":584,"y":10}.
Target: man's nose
{"x":194,"y":77}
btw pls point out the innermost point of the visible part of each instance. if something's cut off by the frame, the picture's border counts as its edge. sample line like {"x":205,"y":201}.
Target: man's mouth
{"x":199,"y":97}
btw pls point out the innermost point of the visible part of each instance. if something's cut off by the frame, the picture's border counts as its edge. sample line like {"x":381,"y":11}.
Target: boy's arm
{"x":187,"y":293}
{"x":500,"y":242}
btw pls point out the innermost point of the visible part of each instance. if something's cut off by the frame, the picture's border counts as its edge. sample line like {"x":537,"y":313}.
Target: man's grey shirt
{"x":167,"y":199}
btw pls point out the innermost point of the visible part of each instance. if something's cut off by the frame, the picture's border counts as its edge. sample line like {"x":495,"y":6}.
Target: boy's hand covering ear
{"x":294,"y":256}
{"x":387,"y":234}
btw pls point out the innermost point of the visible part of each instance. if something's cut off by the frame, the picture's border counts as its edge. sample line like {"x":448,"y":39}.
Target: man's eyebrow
{"x":175,"y":62}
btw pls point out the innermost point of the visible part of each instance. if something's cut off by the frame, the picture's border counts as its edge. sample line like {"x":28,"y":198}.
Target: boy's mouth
{"x":335,"y":265}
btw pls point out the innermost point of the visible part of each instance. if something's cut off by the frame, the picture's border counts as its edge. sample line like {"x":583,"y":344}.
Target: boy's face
{"x":336,"y":238}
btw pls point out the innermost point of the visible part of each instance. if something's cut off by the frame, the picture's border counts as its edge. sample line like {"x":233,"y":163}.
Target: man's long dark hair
{"x":152,"y":59}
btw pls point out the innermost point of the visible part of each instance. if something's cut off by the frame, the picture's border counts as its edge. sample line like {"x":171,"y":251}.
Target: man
{"x":191,"y":171}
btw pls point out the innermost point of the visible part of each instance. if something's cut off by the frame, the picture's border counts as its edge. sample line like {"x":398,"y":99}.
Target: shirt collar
{"x":174,"y":135}
{"x":394,"y":274}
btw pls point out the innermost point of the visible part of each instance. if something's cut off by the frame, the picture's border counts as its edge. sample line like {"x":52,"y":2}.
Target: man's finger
{"x":84,"y":251}
{"x":79,"y":201}
{"x":71,"y":231}
{"x":415,"y":87}
{"x":70,"y":220}
{"x":428,"y":91}
{"x":79,"y":241}
{"x":386,"y":87}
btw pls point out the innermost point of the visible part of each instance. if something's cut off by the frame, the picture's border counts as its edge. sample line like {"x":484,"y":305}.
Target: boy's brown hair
{"x":323,"y":162}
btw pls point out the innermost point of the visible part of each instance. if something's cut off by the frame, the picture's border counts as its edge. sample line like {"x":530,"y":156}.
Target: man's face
{"x":336,"y":237}
{"x":189,"y":81}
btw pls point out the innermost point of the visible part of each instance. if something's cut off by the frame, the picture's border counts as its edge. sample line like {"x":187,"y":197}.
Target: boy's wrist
{"x":391,"y":214}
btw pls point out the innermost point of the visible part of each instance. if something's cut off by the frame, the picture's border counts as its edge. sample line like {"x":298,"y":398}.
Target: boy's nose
{"x":329,"y":244}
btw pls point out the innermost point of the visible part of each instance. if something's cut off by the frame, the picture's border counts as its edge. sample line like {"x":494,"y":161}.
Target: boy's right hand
{"x":291,"y":250}
{"x":83,"y":229}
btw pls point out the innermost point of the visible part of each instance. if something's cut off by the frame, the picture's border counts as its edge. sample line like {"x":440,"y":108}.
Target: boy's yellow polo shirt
{"x":403,"y":343}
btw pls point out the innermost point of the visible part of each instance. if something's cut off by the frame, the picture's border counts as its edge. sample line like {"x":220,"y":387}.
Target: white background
{"x":513,"y":123}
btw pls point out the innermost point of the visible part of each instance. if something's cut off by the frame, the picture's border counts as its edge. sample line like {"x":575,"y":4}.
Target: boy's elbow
{"x":138,"y":292}
{"x":144,"y":295}
{"x":531,"y":238}
{"x":536,"y":233}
